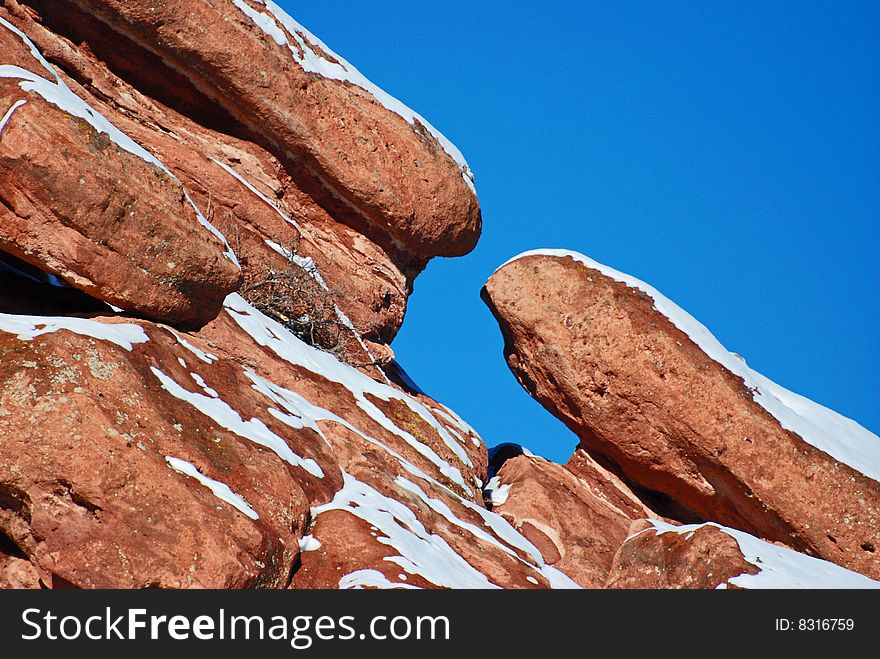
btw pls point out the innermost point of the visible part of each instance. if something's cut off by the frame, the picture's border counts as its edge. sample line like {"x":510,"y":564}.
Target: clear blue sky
{"x":728,"y":153}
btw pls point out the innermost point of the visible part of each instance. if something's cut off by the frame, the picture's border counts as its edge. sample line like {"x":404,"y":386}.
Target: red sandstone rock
{"x":242,"y":189}
{"x":17,"y":573}
{"x":706,"y":559}
{"x":578,"y":525}
{"x":640,"y":392}
{"x":659,"y":555}
{"x":100,"y":417}
{"x":96,"y":210}
{"x":134,"y":455}
{"x":258,"y":73}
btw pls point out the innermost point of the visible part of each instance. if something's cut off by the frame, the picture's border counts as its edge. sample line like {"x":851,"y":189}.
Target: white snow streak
{"x":221,"y":490}
{"x":28,"y":328}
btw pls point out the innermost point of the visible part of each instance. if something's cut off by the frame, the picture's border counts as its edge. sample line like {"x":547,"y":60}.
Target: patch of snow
{"x":841,"y":438}
{"x":309,"y":543}
{"x":445,"y":511}
{"x":201,"y":354}
{"x":280,"y":26}
{"x":558,"y":579}
{"x":506,"y":535}
{"x":532,"y":580}
{"x":371,"y":579}
{"x":496,"y":492}
{"x":780,"y":567}
{"x":462,"y":425}
{"x":28,"y":328}
{"x":301,"y":413}
{"x":221,"y":490}
{"x":55,"y":91}
{"x":226,"y":417}
{"x":201,"y":382}
{"x":9,"y":112}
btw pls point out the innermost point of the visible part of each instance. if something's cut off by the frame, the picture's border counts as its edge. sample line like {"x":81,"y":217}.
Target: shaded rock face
{"x":682,"y":429}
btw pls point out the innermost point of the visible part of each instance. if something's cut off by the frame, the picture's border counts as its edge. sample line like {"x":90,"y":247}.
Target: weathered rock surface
{"x":707,"y":558}
{"x":94,"y":208}
{"x":133,"y":455}
{"x":658,"y":555}
{"x":137,"y":454}
{"x":259,"y":73}
{"x":159,"y":156}
{"x":577,"y":524}
{"x":17,"y":573}
{"x":239,"y":186}
{"x":643,"y":393}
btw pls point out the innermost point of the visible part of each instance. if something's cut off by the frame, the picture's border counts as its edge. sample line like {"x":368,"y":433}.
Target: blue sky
{"x":726,"y":153}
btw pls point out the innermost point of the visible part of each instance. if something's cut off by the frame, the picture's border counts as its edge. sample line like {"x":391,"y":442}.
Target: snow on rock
{"x":253,"y":429}
{"x":90,"y":433}
{"x":221,"y":490}
{"x":338,"y":136}
{"x":417,"y":550}
{"x":713,"y":556}
{"x":650,"y":391}
{"x":309,"y":543}
{"x":427,"y":554}
{"x":6,"y":117}
{"x":314,"y":56}
{"x":371,"y":579}
{"x":577,"y":519}
{"x":840,"y":437}
{"x":27,"y":328}
{"x":55,"y":91}
{"x":496,"y":493}
{"x":269,"y":333}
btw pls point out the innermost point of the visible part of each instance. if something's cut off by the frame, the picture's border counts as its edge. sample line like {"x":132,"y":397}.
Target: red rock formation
{"x":706,"y":559}
{"x":250,"y":185}
{"x":577,"y":524}
{"x":190,"y":440}
{"x":95,"y":208}
{"x":17,"y":573}
{"x":657,"y":555}
{"x":342,"y":139}
{"x":638,"y":390}
{"x":134,"y":455}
